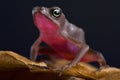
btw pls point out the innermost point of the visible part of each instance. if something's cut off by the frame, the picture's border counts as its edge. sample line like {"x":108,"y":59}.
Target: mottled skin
{"x":66,"y":40}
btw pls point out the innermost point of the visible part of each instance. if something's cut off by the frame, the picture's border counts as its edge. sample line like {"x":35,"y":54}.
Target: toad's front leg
{"x":35,"y":49}
{"x":79,"y":56}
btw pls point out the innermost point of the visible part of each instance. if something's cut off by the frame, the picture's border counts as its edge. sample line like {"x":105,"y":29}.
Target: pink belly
{"x":64,"y":48}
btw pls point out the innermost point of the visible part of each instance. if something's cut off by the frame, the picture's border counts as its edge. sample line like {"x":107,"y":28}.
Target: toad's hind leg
{"x":96,"y":56}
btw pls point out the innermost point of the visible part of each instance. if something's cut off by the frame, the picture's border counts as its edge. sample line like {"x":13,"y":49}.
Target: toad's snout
{"x":36,"y":9}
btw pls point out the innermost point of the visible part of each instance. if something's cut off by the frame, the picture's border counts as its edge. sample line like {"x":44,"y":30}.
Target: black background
{"x":99,"y":18}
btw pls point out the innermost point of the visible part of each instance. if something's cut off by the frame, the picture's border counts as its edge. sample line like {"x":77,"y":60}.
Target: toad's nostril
{"x":36,"y":9}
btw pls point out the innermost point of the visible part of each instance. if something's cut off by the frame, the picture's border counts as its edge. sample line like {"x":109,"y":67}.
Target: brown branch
{"x":16,"y":67}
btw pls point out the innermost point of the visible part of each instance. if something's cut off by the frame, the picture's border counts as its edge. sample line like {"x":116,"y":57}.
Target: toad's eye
{"x":56,"y":12}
